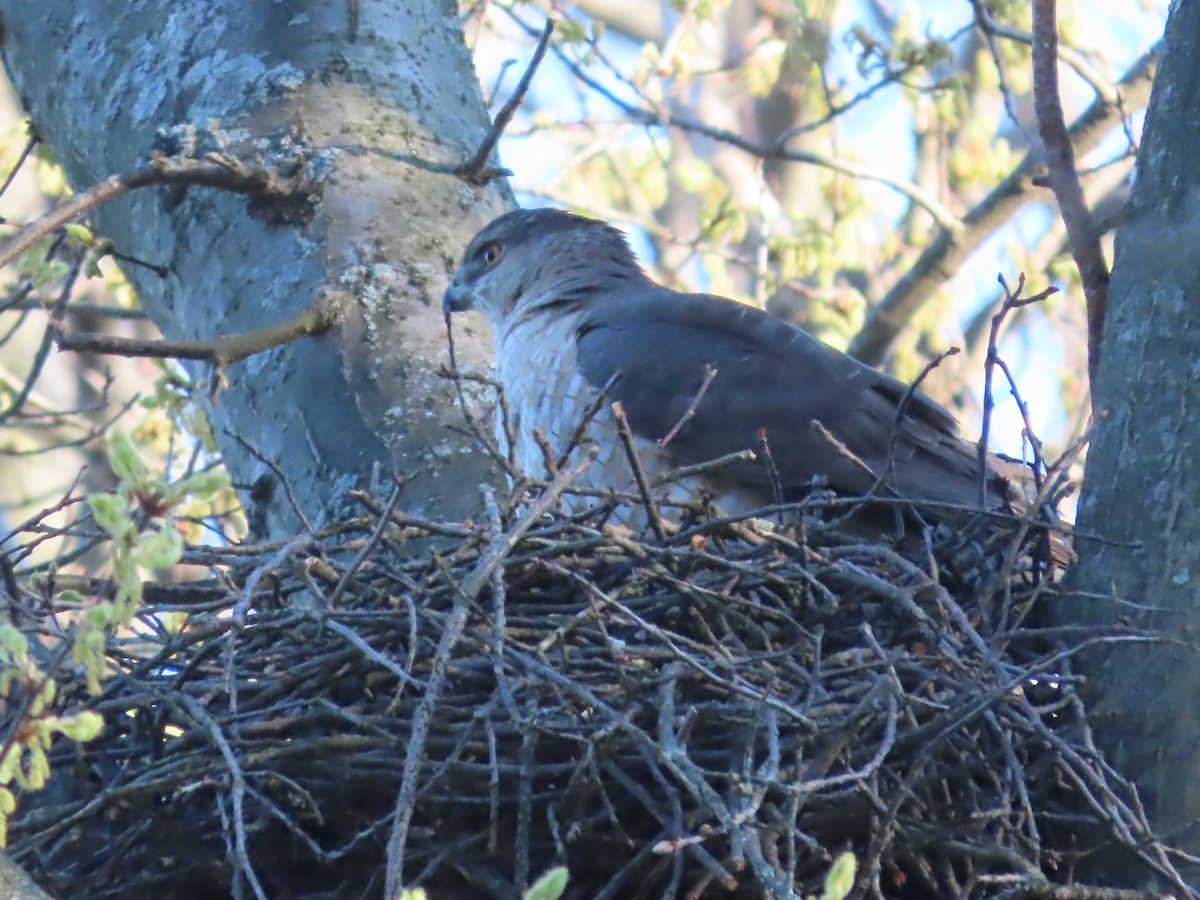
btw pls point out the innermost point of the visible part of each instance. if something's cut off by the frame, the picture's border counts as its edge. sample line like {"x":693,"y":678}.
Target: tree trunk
{"x":15,"y":884}
{"x":1143,"y":476}
{"x":371,"y":93}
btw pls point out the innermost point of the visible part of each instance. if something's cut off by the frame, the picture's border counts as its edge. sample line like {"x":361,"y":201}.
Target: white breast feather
{"x":544,"y":389}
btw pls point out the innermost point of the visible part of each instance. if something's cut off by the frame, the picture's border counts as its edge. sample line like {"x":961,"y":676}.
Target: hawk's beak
{"x":456,"y":299}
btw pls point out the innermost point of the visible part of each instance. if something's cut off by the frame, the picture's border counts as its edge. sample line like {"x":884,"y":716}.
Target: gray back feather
{"x":774,"y":377}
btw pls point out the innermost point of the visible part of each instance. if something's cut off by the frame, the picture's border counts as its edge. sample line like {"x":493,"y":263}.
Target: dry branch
{"x":476,"y":170}
{"x":1082,"y":236}
{"x":219,"y":352}
{"x":215,"y":171}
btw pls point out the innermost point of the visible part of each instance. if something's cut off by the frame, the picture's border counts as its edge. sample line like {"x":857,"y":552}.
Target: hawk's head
{"x":538,"y":259}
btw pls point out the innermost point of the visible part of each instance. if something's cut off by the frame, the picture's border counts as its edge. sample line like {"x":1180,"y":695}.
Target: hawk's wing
{"x":775,"y":377}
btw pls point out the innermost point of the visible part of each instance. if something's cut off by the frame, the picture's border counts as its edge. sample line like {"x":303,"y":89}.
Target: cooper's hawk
{"x":698,"y":377}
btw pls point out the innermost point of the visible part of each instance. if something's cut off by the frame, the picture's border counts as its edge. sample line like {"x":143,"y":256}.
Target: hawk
{"x":698,"y":377}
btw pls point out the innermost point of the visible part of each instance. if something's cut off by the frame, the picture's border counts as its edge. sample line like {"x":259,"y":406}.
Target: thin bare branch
{"x":476,"y":170}
{"x":1060,"y":155}
{"x":639,"y":473}
{"x":215,"y":171}
{"x":710,"y":372}
{"x":222,"y":351}
{"x":1012,"y":300}
{"x":1104,"y":88}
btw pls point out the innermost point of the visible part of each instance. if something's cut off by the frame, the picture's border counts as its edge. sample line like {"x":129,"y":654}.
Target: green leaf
{"x":13,"y":642}
{"x":37,"y":769}
{"x":123,"y":456}
{"x":161,"y":549}
{"x":88,"y":651}
{"x":570,"y":31}
{"x":80,"y":233}
{"x":44,"y":698}
{"x":550,"y":886}
{"x":129,"y":583}
{"x":202,"y":485}
{"x":83,"y":726}
{"x":98,"y":617}
{"x":111,"y":513}
{"x":840,"y":879}
{"x":10,"y":763}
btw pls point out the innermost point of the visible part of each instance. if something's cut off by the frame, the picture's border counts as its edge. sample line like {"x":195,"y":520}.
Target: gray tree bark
{"x":15,"y":884}
{"x":1143,"y":475}
{"x":373,"y":93}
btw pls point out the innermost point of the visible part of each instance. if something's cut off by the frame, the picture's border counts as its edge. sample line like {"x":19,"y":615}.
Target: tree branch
{"x":1060,"y":157}
{"x":942,"y":258}
{"x":215,"y":170}
{"x":1103,"y":87}
{"x":222,"y":351}
{"x":82,"y":308}
{"x":476,"y":170}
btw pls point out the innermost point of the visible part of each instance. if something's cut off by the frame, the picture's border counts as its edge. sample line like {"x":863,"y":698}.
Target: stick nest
{"x":723,"y":710}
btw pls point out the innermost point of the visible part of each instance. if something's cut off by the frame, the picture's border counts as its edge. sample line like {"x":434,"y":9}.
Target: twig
{"x":220,"y":352}
{"x":414,"y":754}
{"x":883,"y":480}
{"x":476,"y":170}
{"x":404,"y":520}
{"x":499,"y":613}
{"x":506,"y":461}
{"x":905,"y":401}
{"x":1046,"y":890}
{"x":1012,"y":300}
{"x":42,"y":354}
{"x":502,"y":545}
{"x":1104,"y":88}
{"x":710,"y":372}
{"x":303,"y":543}
{"x":12,"y":173}
{"x":216,"y":171}
{"x":79,"y":308}
{"x":1035,"y":444}
{"x":842,"y":449}
{"x":385,"y":519}
{"x":985,"y":23}
{"x":288,"y":488}
{"x":662,"y":117}
{"x":548,"y":461}
{"x":585,"y":420}
{"x":764,"y":450}
{"x":368,"y":651}
{"x":705,"y":468}
{"x":1060,"y":156}
{"x":527,"y":765}
{"x":464,"y":595}
{"x":891,"y":76}
{"x":237,"y":787}
{"x":639,"y":473}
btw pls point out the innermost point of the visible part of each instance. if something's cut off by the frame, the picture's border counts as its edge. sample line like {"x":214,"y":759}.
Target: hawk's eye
{"x":490,"y":254}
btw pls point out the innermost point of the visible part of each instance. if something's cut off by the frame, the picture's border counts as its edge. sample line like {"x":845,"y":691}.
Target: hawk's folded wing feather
{"x":777,"y":378}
